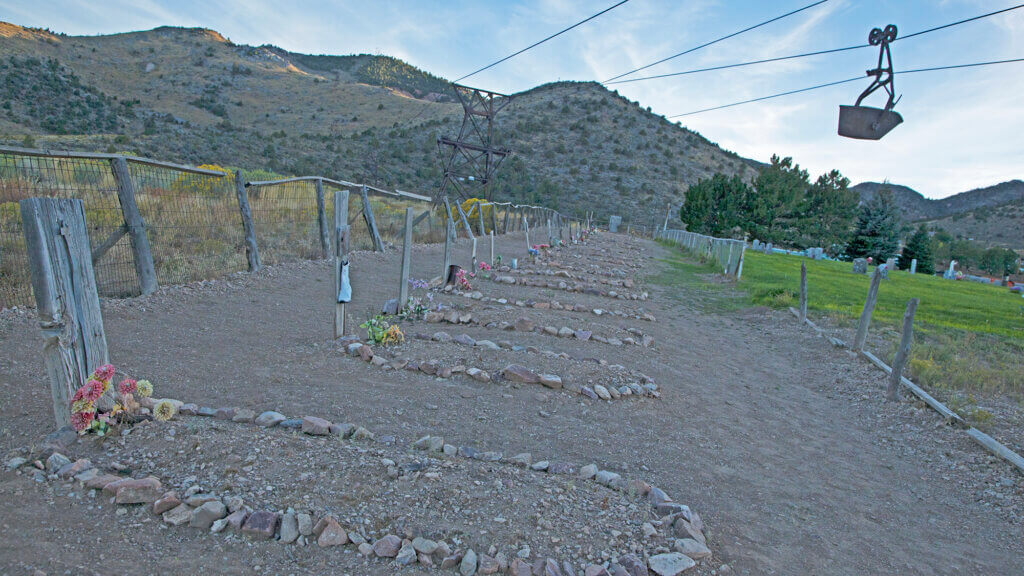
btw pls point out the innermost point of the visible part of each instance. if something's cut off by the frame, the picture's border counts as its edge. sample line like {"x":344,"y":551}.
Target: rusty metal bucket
{"x":866,"y":123}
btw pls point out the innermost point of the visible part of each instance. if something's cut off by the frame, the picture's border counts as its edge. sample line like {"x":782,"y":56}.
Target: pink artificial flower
{"x":127,"y":386}
{"x":105,"y":372}
{"x":91,"y":391}
{"x":81,"y":420}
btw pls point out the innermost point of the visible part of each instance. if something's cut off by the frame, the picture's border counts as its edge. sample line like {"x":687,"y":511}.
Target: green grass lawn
{"x":968,"y":337}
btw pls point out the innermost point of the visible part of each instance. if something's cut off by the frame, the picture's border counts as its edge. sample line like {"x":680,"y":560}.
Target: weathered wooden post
{"x":480,"y":213}
{"x":668,"y":212}
{"x":803,"y":291}
{"x":464,"y":220}
{"x":252,"y":253}
{"x":141,"y":253}
{"x":903,"y":352}
{"x":449,"y":232}
{"x":494,"y":218}
{"x":341,"y":231}
{"x":491,"y":261}
{"x":321,"y":219}
{"x":472,"y":264}
{"x":403,"y":291}
{"x":448,"y":216}
{"x":865,"y":315}
{"x":67,"y":304}
{"x":526,"y":228}
{"x":371,"y":224}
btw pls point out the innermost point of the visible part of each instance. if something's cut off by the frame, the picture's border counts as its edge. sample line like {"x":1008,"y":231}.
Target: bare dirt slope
{"x":782,"y":443}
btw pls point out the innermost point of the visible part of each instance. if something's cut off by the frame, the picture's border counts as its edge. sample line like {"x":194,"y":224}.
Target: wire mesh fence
{"x":90,"y":180}
{"x":284,"y":217}
{"x":725,"y":252}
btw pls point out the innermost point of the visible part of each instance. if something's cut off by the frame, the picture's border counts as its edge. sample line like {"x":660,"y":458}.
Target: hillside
{"x":914,"y":206}
{"x":191,"y":95}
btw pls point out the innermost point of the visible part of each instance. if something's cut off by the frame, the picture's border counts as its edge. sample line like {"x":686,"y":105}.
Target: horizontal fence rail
{"x":152,"y":223}
{"x":725,"y":252}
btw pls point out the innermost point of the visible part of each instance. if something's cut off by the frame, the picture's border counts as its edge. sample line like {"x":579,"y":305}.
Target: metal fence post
{"x":141,"y":253}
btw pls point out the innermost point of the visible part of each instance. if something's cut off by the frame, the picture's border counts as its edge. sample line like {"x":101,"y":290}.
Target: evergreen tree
{"x":878,"y":229}
{"x":714,"y":206}
{"x":826,"y":213}
{"x":918,"y":247}
{"x":781,"y":187}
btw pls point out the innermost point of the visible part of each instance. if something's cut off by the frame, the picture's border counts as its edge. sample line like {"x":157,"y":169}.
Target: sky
{"x":962,"y":129}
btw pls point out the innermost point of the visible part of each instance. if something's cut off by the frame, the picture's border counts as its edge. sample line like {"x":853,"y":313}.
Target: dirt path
{"x":783,"y":443}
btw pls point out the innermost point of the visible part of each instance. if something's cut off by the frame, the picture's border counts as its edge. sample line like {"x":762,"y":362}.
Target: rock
{"x":615,"y":342}
{"x":441,"y":337}
{"x":541,"y":466}
{"x":517,"y":373}
{"x":602,"y":392}
{"x":487,"y":565}
{"x":550,"y":380}
{"x":595,"y":570}
{"x":487,"y":344}
{"x":422,"y":545}
{"x":244,"y":415}
{"x":685,"y":529}
{"x":606,"y":478}
{"x":189,"y":409}
{"x":204,"y":516}
{"x":388,"y":546}
{"x":218,"y":526}
{"x":406,"y":555}
{"x":304,"y":523}
{"x":589,"y":392}
{"x":633,"y":565}
{"x":583,"y":335}
{"x":478,"y":375}
{"x":524,"y":325}
{"x":451,"y":561}
{"x":362,"y":434}
{"x":291,"y":424}
{"x":519,"y":568}
{"x":421,"y":444}
{"x":56,"y":461}
{"x":468,"y":565}
{"x":353,"y":348}
{"x":269,"y":419}
{"x":261,"y":524}
{"x":356,"y":538}
{"x":237,"y":519}
{"x":315,"y":426}
{"x":132,"y":491}
{"x":332,"y":534}
{"x":289,"y":527}
{"x":101,"y":482}
{"x":15,"y":463}
{"x":648,"y":530}
{"x":73,"y":469}
{"x":551,"y":330}
{"x":561,"y":468}
{"x":166,"y":502}
{"x":464,"y":339}
{"x":522,"y":459}
{"x":692,"y":548}
{"x":345,"y":430}
{"x":365,"y":353}
{"x":224,"y":413}
{"x":589,"y":471}
{"x":670,"y":564}
{"x":197,"y":500}
{"x":234,"y":503}
{"x":450,"y":450}
{"x":648,"y":341}
{"x":178,"y":515}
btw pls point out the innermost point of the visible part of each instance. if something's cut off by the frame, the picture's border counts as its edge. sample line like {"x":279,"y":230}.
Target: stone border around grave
{"x":514,"y":373}
{"x":551,"y":305}
{"x":215,"y":514}
{"x":453,"y":316}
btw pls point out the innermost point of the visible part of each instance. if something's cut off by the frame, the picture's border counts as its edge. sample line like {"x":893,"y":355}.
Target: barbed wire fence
{"x":154,"y":223}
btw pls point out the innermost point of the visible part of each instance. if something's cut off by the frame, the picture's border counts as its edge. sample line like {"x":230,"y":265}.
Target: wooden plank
{"x":903,"y":352}
{"x":494,"y":218}
{"x":504,"y":225}
{"x":449,"y":233}
{"x":993,"y":446}
{"x":464,"y":220}
{"x":403,"y":291}
{"x":491,"y":261}
{"x":341,"y":230}
{"x":803,"y":291}
{"x":526,"y":228}
{"x":480,"y":213}
{"x":448,"y":212}
{"x":144,"y":267}
{"x":107,"y":244}
{"x":865,"y":315}
{"x":371,"y":224}
{"x":67,"y":302}
{"x":321,"y":219}
{"x":916,"y":390}
{"x":472,"y":261}
{"x":252,"y":253}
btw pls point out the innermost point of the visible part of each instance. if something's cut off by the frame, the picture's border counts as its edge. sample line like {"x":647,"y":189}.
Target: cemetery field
{"x":968,"y":336}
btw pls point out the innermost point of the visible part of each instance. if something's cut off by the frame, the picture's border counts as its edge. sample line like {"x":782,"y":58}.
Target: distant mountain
{"x":191,"y":95}
{"x":914,"y":206}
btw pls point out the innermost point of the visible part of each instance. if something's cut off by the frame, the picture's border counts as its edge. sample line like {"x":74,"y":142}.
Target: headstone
{"x":768,"y":248}
{"x":913,"y":266}
{"x":613,"y":223}
{"x":756,"y":244}
{"x":951,"y":271}
{"x":884,"y":269}
{"x":860,"y":266}
{"x":890,"y":264}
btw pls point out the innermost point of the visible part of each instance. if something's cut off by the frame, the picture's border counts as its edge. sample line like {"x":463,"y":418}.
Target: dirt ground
{"x":783,"y":443}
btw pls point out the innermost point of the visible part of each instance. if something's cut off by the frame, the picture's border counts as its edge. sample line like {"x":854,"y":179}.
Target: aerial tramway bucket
{"x":866,"y":122}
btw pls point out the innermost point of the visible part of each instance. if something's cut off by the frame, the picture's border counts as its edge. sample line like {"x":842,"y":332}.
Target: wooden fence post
{"x":341,"y":230}
{"x":371,"y":224}
{"x":144,"y":268}
{"x":464,"y":220}
{"x":252,"y":253}
{"x":321,"y":219}
{"x":449,"y":231}
{"x":67,"y":304}
{"x":803,"y":291}
{"x":472,"y":265}
{"x":480,"y":213}
{"x":865,"y":315}
{"x":494,"y":218}
{"x":903,"y":352}
{"x":403,"y":291}
{"x":526,"y":228}
{"x":504,"y":224}
{"x":491,"y":261}
{"x":449,"y":218}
